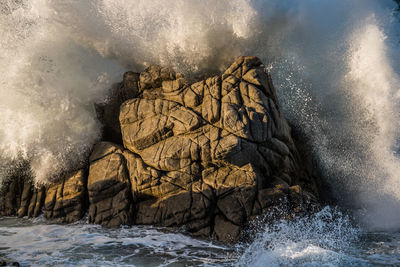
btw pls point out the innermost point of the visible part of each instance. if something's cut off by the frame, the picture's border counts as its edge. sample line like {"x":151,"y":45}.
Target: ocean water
{"x":34,"y":242}
{"x":329,"y":238}
{"x":336,"y":68}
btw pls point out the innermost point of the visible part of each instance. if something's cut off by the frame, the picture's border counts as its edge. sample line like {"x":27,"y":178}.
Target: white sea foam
{"x":343,"y":91}
{"x":315,"y":241}
{"x":48,"y":86}
{"x":334,"y":64}
{"x":33,"y":243}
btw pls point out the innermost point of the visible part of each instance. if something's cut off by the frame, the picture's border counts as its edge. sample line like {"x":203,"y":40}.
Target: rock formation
{"x":65,"y":201}
{"x":109,"y":187}
{"x":209,"y":156}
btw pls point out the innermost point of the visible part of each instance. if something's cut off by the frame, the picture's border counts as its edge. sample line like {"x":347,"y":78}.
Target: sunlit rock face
{"x":209,"y":156}
{"x":65,"y":200}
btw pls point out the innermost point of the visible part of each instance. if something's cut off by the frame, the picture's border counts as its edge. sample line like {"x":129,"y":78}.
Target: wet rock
{"x":65,"y":200}
{"x":16,"y":193}
{"x":210,"y":155}
{"x":36,"y":202}
{"x":4,"y":263}
{"x":110,"y":202}
{"x":108,"y":111}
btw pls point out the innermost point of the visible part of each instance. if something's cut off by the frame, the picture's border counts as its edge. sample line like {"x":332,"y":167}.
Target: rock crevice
{"x":210,"y":156}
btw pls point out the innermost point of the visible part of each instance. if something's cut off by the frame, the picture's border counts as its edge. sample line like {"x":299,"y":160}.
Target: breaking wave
{"x":325,"y":238}
{"x":335,"y":65}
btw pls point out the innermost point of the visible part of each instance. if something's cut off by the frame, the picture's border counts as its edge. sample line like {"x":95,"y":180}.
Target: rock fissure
{"x":210,"y":156}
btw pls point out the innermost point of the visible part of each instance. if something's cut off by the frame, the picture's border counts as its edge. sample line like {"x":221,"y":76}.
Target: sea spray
{"x":49,"y":84}
{"x":308,"y":241}
{"x":342,"y":89}
{"x":333,"y":63}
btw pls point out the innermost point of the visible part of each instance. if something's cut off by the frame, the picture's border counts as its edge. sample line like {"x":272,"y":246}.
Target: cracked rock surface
{"x":209,"y":156}
{"x":65,"y":201}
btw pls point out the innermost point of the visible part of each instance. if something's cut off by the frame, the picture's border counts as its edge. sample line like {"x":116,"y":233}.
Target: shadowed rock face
{"x":66,"y":200}
{"x":108,"y":112}
{"x":18,"y":196}
{"x":209,"y":156}
{"x":108,"y":186}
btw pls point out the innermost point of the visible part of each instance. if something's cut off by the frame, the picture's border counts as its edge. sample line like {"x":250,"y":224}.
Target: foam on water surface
{"x":33,"y":242}
{"x":327,"y":238}
{"x":335,"y":65}
{"x":58,"y":57}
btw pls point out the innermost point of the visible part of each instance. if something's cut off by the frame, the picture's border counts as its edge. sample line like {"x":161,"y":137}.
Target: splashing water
{"x":327,"y":238}
{"x":334,"y":63}
{"x":48,"y":86}
{"x":322,"y":238}
{"x":341,"y":86}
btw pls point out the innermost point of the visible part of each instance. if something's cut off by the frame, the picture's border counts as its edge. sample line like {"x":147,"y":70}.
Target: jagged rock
{"x":210,"y":156}
{"x":110,"y":202}
{"x":11,"y":196}
{"x":36,"y":202}
{"x":207,"y":155}
{"x":108,"y":111}
{"x":154,"y":76}
{"x":166,"y":198}
{"x":4,"y":263}
{"x":19,"y":197}
{"x":66,"y":200}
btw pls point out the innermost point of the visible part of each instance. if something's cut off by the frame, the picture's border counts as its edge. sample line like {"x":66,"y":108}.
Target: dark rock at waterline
{"x":18,"y":196}
{"x":210,"y":156}
{"x":5,"y":263}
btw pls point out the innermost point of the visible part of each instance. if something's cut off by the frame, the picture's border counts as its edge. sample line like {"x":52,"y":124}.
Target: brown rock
{"x":65,"y":200}
{"x":108,"y":111}
{"x":110,"y":201}
{"x":16,"y":192}
{"x":210,"y":155}
{"x":37,"y":202}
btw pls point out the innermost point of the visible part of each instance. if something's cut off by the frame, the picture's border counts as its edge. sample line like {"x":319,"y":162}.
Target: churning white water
{"x":335,"y":64}
{"x":34,"y":243}
{"x":327,"y":238}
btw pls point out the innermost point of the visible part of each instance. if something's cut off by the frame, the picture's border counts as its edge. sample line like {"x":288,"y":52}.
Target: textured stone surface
{"x":18,"y":196}
{"x":108,"y":186}
{"x":36,"y":202}
{"x":12,"y":195}
{"x":210,"y":156}
{"x":108,"y":111}
{"x":65,"y":201}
